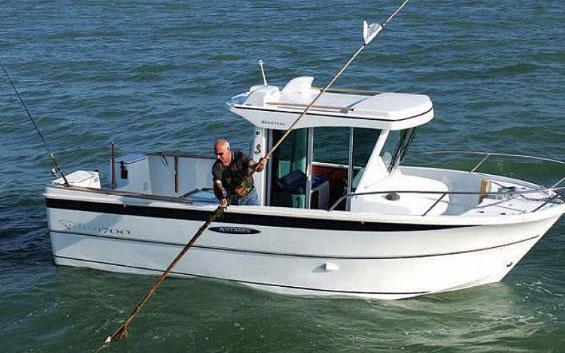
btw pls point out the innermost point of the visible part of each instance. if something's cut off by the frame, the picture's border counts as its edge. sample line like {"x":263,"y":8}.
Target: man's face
{"x":223,"y":154}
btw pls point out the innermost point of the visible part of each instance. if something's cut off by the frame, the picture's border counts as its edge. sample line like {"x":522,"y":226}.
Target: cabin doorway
{"x":314,"y":167}
{"x":289,"y":169}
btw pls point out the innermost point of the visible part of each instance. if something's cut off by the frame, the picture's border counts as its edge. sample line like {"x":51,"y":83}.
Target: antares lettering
{"x":234,"y":230}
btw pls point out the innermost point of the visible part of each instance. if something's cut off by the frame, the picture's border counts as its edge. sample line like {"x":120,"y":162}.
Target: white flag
{"x":370,"y":31}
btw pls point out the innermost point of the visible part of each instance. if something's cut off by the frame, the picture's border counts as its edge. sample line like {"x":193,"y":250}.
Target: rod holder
{"x":114,"y":183}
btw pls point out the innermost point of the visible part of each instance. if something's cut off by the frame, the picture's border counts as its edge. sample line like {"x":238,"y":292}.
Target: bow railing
{"x":552,"y":194}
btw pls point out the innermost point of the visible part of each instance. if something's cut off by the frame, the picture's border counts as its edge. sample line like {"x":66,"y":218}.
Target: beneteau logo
{"x":277,"y":123}
{"x":234,"y":230}
{"x":77,"y":226}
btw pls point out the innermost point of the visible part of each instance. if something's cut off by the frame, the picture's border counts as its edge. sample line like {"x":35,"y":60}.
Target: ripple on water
{"x":154,"y":76}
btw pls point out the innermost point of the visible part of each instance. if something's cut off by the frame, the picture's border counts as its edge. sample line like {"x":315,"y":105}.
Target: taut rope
{"x":122,"y":331}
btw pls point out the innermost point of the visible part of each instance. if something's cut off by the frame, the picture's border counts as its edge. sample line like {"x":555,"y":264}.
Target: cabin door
{"x":289,"y":172}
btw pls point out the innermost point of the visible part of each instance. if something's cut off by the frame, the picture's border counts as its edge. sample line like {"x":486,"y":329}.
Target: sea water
{"x":154,"y":75}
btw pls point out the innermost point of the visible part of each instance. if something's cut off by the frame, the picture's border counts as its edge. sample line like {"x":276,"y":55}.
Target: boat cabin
{"x":349,"y":141}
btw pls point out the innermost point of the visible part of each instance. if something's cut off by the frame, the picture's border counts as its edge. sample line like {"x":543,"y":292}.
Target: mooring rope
{"x":121,"y":332}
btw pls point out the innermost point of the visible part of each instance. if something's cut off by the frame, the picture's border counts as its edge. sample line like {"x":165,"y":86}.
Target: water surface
{"x":154,"y":76}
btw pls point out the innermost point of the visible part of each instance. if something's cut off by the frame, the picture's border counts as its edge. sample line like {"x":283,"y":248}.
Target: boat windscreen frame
{"x":351,"y":168}
{"x":406,"y":138}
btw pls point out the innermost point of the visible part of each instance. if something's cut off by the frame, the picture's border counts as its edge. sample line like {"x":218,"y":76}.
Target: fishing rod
{"x":51,"y":154}
{"x":369,"y":33}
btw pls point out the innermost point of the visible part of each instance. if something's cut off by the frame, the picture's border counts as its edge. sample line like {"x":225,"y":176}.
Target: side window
{"x":364,"y":141}
{"x":390,"y":147}
{"x":396,"y":146}
{"x":331,"y":145}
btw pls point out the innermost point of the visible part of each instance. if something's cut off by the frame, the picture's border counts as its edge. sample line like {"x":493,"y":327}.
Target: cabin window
{"x":331,"y":145}
{"x":395,"y":147}
{"x":289,"y":169}
{"x":364,"y":140}
{"x":390,"y":147}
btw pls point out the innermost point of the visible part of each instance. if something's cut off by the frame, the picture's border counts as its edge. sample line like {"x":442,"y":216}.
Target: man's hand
{"x":261,"y":164}
{"x":223,"y":203}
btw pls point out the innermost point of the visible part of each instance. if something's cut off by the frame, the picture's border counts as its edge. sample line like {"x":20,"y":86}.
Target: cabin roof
{"x":275,"y":108}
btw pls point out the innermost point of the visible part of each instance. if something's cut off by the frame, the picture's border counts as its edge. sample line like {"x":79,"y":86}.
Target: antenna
{"x":260,"y":63}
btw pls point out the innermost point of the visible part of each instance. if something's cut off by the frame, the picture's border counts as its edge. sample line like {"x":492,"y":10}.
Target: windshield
{"x":396,"y":147}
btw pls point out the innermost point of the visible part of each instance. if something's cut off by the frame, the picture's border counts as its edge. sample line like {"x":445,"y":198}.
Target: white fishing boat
{"x":353,"y":221}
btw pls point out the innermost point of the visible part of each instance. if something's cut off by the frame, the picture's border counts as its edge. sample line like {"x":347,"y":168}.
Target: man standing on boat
{"x":231,"y":173}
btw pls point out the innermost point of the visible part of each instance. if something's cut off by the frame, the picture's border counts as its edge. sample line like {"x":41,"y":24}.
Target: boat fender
{"x":330,"y":266}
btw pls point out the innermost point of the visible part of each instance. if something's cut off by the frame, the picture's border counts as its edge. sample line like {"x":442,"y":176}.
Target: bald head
{"x":221,"y":144}
{"x":222,"y":151}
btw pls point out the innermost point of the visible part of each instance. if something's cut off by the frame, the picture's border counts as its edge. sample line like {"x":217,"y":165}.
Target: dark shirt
{"x":232,"y":175}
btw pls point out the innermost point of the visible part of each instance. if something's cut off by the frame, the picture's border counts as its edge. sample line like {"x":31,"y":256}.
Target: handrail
{"x":435,"y":203}
{"x":179,"y":155}
{"x":506,"y":193}
{"x":480,"y":163}
{"x":546,"y":202}
{"x":559,"y":182}
{"x":485,"y":155}
{"x":302,"y":105}
{"x":490,"y":154}
{"x":350,"y":90}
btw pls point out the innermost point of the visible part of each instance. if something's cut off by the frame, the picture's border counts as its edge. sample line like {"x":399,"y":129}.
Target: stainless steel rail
{"x":552,"y":191}
{"x":550,"y":197}
{"x":488,"y":154}
{"x":181,"y":155}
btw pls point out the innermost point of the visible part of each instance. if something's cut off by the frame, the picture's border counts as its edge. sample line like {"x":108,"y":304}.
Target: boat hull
{"x":285,"y":252}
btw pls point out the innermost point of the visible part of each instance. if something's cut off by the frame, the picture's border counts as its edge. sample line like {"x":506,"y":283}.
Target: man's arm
{"x":219,"y":192}
{"x":258,"y":166}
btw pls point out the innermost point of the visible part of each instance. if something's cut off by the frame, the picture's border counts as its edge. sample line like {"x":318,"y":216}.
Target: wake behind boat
{"x":350,"y":221}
